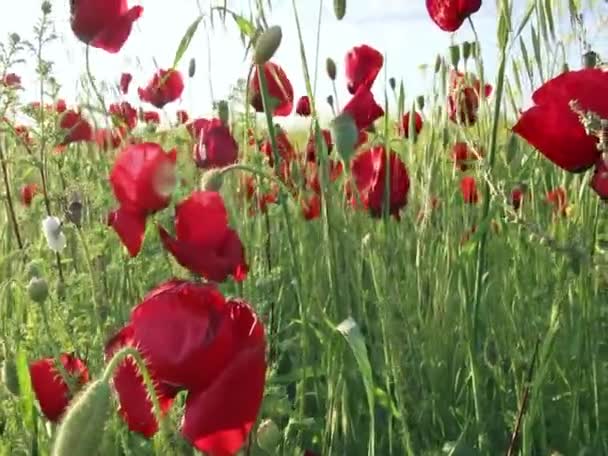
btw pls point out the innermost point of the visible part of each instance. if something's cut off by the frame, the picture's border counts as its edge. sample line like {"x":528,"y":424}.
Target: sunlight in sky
{"x":404,"y":33}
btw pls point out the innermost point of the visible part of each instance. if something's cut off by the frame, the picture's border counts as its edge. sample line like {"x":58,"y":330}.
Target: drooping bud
{"x":392,"y":83}
{"x":438,"y":64}
{"x":212,"y":180}
{"x":81,"y":431}
{"x":420,"y":102}
{"x":267,"y":44}
{"x":590,"y":60}
{"x":455,"y":55}
{"x":466,"y":50}
{"x":38,"y":290}
{"x":46,"y":7}
{"x":269,"y":436}
{"x":330,"y":67}
{"x":74,"y":211}
{"x":223,"y":111}
{"x":345,"y":134}
{"x":15,"y":38}
{"x":192,"y":67}
{"x":330,"y":100}
{"x":340,"y":9}
{"x":9,"y":376}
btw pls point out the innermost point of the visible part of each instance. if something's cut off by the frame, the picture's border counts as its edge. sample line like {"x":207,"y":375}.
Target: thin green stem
{"x":9,"y":199}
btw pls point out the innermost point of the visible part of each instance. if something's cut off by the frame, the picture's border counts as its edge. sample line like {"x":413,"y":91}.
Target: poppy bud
{"x":420,"y":102}
{"x":81,"y":431}
{"x":192,"y":67}
{"x":455,"y":55}
{"x":590,"y":60}
{"x":9,"y":376}
{"x":565,"y":68}
{"x":33,"y":270}
{"x":46,"y":7}
{"x":223,"y":111}
{"x":392,"y":83}
{"x":15,"y":38}
{"x":212,"y":180}
{"x":267,"y":44}
{"x":269,"y":436}
{"x":474,"y":49}
{"x":38,"y":290}
{"x":466,"y":50}
{"x":74,"y":212}
{"x":330,"y":100}
{"x":340,"y":9}
{"x":345,"y":134}
{"x":438,"y":64}
{"x":330,"y":67}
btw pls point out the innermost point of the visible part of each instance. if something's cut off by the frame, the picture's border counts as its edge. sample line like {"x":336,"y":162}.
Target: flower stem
{"x":9,"y":199}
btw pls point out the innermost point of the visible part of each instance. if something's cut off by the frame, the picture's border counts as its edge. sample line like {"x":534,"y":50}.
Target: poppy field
{"x":410,"y":274}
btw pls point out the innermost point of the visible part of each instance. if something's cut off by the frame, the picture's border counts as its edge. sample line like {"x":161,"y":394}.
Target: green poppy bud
{"x":192,"y":67}
{"x":269,"y":436}
{"x":330,"y":67}
{"x":212,"y":180}
{"x":9,"y":376}
{"x":455,"y":55}
{"x":267,"y":44}
{"x":38,"y":290}
{"x":340,"y":9}
{"x":345,"y":134}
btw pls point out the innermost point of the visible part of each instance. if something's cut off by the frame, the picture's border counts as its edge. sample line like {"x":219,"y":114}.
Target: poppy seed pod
{"x":269,"y":436}
{"x":267,"y":44}
{"x":212,"y":180}
{"x":46,"y":7}
{"x":9,"y":376}
{"x":15,"y":38}
{"x":192,"y":67}
{"x":345,"y":134}
{"x":330,"y":67}
{"x":340,"y":9}
{"x":455,"y":55}
{"x":590,"y":59}
{"x":38,"y":290}
{"x":80,"y":433}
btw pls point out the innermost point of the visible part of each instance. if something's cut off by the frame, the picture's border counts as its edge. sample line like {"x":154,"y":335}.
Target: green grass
{"x":392,"y":337}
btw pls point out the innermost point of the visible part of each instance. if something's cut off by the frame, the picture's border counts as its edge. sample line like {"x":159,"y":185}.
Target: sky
{"x":401,"y":29}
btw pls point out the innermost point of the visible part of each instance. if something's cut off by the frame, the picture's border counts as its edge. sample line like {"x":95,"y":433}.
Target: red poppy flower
{"x":517,"y":197}
{"x":51,"y":390}
{"x":165,"y":87}
{"x":124,"y":114}
{"x":405,"y":124}
{"x":24,"y":133}
{"x":11,"y":80}
{"x":552,"y":127}
{"x":142,"y":179}
{"x":279,"y":89}
{"x":125,"y":82}
{"x":108,"y":139}
{"x":363,"y":108}
{"x":599,"y":181}
{"x":362,"y":63}
{"x":261,"y":199}
{"x":151,"y":117}
{"x":135,"y":404}
{"x":311,"y":145}
{"x":312,"y":174}
{"x":181,"y":326}
{"x":105,"y":25}
{"x":311,"y":206}
{"x":285,"y":148}
{"x":77,"y":128}
{"x":303,"y":106}
{"x":468,"y":187}
{"x":369,"y":170}
{"x":182,"y":116}
{"x":558,"y":199}
{"x":28,"y":192}
{"x":449,"y":15}
{"x":214,"y":145}
{"x":463,"y":98}
{"x":60,"y":106}
{"x":463,"y":155}
{"x":204,"y":242}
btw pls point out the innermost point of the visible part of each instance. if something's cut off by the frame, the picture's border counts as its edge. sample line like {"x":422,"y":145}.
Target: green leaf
{"x":246,"y":27}
{"x":351,"y":332}
{"x":26,"y":397}
{"x":184,"y":44}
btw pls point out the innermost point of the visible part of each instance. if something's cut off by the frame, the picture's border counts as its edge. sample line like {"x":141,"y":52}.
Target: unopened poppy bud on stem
{"x":438,"y":64}
{"x":223,"y":111}
{"x":212,"y":180}
{"x":590,"y":60}
{"x":267,"y":44}
{"x":346,"y":134}
{"x":455,"y":55}
{"x":330,"y":67}
{"x":38,"y":290}
{"x":33,"y":269}
{"x":466,"y":50}
{"x":192,"y":67}
{"x":392,"y":83}
{"x":340,"y":9}
{"x":420,"y":102}
{"x":46,"y":7}
{"x":9,"y":376}
{"x":81,"y":431}
{"x":269,"y":436}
